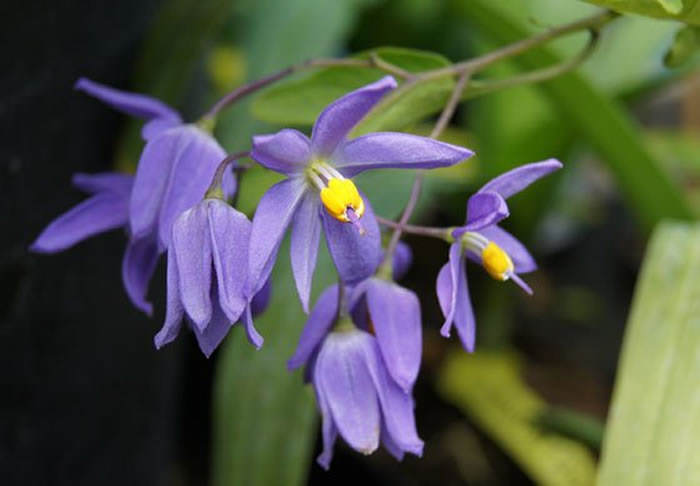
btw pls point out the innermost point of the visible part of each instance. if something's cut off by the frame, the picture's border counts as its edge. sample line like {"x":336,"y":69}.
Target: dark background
{"x":84,"y":399}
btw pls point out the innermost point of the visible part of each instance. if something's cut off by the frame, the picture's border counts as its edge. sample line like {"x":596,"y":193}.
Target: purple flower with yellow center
{"x":176,"y":165}
{"x":484,"y":242}
{"x":319,"y":192}
{"x":207,"y":262}
{"x":355,"y":391}
{"x":106,"y":209}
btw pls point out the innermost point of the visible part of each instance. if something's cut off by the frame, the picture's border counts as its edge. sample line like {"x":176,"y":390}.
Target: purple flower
{"x":106,"y":209}
{"x":392,"y":314}
{"x":355,"y":392}
{"x":483,"y":241}
{"x":207,"y":262}
{"x":318,"y":190}
{"x":176,"y":165}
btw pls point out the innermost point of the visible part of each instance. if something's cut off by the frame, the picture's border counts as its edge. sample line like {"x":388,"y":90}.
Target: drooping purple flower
{"x":483,"y":241}
{"x":106,"y":209}
{"x":392,"y":313}
{"x":355,"y":392}
{"x":207,"y":262}
{"x":176,"y":165}
{"x":318,"y":191}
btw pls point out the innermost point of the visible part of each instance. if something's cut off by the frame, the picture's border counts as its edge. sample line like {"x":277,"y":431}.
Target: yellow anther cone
{"x":496,"y":261}
{"x":339,"y":195}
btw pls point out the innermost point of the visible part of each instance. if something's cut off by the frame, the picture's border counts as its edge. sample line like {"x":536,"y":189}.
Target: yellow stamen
{"x":496,"y":261}
{"x":339,"y":195}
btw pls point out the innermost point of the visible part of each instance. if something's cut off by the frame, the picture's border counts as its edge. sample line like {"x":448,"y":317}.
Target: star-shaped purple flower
{"x":106,"y":209}
{"x":318,"y":190}
{"x":355,"y":391}
{"x":483,"y":241}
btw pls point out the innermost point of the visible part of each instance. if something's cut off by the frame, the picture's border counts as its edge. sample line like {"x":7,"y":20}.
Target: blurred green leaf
{"x":687,"y":11}
{"x":598,"y":119}
{"x":653,"y":434}
{"x":487,"y":387}
{"x":575,"y":425}
{"x":299,"y":101}
{"x":685,"y":45}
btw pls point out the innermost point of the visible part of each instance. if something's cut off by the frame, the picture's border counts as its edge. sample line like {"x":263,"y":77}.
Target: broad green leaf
{"x":299,"y":101}
{"x":684,"y":10}
{"x":600,"y":121}
{"x":653,"y":434}
{"x":487,"y":387}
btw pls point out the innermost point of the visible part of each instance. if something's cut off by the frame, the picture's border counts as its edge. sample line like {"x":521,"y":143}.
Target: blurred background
{"x":84,"y":397}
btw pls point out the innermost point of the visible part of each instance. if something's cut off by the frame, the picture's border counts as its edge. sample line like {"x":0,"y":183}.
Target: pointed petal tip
{"x":324,"y":461}
{"x":446,"y":329}
{"x":387,"y":82}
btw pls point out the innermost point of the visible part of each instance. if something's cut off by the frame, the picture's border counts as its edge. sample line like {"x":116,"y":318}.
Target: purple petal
{"x":115,"y":182}
{"x":447,"y":287}
{"x":397,"y":406}
{"x":316,"y":328}
{"x":344,"y":380}
{"x":138,"y":265}
{"x":192,"y":172}
{"x":306,"y":231}
{"x":174,"y":311}
{"x":338,"y":118}
{"x":229,"y":231}
{"x":329,"y":431}
{"x":395,"y":313}
{"x":274,"y":213}
{"x":522,"y":260}
{"x":151,"y":181}
{"x":133,"y":104}
{"x":193,"y":253}
{"x":389,"y":444}
{"x":95,"y":215}
{"x":461,"y":306}
{"x":403,"y":258}
{"x":217,"y":329}
{"x":287,"y":151}
{"x":262,"y":298}
{"x":157,"y":126}
{"x":484,"y":209}
{"x":397,"y":150}
{"x":355,"y":255}
{"x":229,"y":184}
{"x":253,"y":335}
{"x":519,"y":178}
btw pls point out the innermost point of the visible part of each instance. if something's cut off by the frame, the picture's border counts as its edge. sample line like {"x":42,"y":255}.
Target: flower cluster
{"x":361,"y":347}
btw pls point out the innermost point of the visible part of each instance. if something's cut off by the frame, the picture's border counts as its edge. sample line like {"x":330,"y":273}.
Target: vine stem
{"x":215,"y":185}
{"x":431,"y":231}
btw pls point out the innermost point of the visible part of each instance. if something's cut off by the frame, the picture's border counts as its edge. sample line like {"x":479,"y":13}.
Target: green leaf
{"x":687,"y":11}
{"x":488,"y":388}
{"x":685,"y":46}
{"x":600,"y":121}
{"x":299,"y":101}
{"x":653,"y":434}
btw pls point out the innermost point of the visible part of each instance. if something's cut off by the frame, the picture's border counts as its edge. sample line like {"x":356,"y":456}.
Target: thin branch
{"x":431,"y":231}
{"x":215,"y":185}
